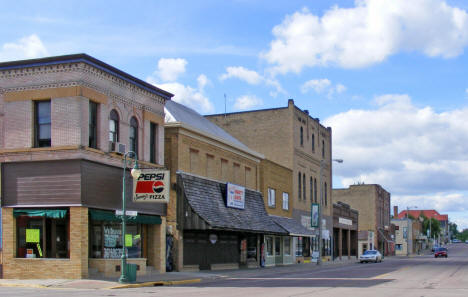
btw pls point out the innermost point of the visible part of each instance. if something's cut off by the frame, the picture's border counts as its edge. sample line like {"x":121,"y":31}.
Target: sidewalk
{"x":169,"y":278}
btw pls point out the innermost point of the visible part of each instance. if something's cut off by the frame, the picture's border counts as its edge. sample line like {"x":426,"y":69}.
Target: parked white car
{"x":371,"y":256}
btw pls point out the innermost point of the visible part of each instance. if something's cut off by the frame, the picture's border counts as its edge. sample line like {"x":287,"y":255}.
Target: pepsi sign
{"x":152,"y":186}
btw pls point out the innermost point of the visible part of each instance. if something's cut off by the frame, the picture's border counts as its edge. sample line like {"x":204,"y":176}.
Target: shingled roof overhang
{"x":293,"y":227}
{"x":84,"y":58}
{"x":205,"y":197}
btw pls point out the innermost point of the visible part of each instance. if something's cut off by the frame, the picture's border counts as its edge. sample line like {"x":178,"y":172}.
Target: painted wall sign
{"x":152,"y":186}
{"x":345,"y":221}
{"x":235,"y":196}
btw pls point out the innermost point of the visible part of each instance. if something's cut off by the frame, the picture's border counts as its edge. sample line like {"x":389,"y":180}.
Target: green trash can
{"x":131,"y":272}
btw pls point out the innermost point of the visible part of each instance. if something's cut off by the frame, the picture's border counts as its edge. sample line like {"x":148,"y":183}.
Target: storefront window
{"x":41,"y":236}
{"x":269,"y":245}
{"x":287,"y":246}
{"x":277,"y":246}
{"x":106,"y":240}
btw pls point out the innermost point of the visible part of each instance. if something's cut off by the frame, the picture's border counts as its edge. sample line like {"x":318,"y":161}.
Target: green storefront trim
{"x":48,"y":213}
{"x":102,"y":215}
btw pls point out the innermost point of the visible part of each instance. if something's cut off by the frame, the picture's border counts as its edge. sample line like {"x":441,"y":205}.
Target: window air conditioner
{"x":117,"y":147}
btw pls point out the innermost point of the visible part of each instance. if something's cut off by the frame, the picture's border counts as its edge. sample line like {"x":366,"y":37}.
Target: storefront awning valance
{"x":48,"y":213}
{"x":108,"y":216}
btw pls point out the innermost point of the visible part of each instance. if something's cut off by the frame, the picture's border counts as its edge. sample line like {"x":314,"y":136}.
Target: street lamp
{"x":322,"y":164}
{"x":408,"y":229}
{"x":135,"y":174}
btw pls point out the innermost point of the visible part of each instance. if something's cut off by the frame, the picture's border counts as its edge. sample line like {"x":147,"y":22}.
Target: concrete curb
{"x":24,"y":286}
{"x":158,"y":283}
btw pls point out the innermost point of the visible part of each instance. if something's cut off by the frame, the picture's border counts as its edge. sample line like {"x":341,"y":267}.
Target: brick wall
{"x":74,"y":267}
{"x":279,"y":178}
{"x":18,"y":125}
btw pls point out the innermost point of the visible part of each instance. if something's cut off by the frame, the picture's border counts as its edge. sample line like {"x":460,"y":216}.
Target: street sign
{"x":130,"y":213}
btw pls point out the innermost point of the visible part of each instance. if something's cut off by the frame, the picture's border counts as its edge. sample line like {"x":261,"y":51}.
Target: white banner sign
{"x":235,"y":196}
{"x":152,"y":186}
{"x":345,"y":221}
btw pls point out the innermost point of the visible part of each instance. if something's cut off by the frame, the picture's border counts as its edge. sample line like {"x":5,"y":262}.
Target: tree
{"x":453,"y":229}
{"x":430,"y":224}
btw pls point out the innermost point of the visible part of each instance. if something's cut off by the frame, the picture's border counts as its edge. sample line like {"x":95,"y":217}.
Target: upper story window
{"x":323,"y":148}
{"x":315,"y":190}
{"x":311,"y":190}
{"x":285,"y":201}
{"x":299,"y":187}
{"x":313,"y":143}
{"x":133,"y":139}
{"x":153,"y":142}
{"x":92,"y":124}
{"x":304,"y":187}
{"x":42,"y":124}
{"x":302,"y":136}
{"x":271,"y":197}
{"x":113,"y":126}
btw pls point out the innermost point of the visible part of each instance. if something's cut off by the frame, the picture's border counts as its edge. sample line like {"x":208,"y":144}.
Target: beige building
{"x":208,"y":232}
{"x":291,"y":138}
{"x":64,"y":124}
{"x":373,"y":204}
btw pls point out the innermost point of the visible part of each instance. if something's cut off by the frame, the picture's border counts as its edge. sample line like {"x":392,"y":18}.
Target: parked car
{"x":371,"y":256}
{"x":440,"y":252}
{"x":466,"y":241}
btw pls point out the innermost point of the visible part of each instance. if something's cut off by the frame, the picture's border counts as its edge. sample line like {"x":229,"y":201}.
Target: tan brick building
{"x":64,"y":124}
{"x":373,"y":204}
{"x":207,"y":233}
{"x":291,"y":138}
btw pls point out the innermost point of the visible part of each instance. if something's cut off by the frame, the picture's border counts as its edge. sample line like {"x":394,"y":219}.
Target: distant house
{"x":429,"y":213}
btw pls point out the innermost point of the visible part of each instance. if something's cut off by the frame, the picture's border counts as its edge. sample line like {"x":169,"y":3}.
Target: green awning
{"x":102,"y":215}
{"x":48,"y":213}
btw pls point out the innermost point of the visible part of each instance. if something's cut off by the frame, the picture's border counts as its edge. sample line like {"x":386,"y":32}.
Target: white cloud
{"x":28,"y":47}
{"x":249,"y":76}
{"x":170,"y":69}
{"x":184,"y":94}
{"x":202,"y":81}
{"x":247,"y":102}
{"x":366,"y":34}
{"x":320,"y":86}
{"x":407,"y":149}
{"x":252,"y":78}
{"x":189,"y":96}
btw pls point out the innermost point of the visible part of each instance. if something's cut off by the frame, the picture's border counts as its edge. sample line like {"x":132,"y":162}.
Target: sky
{"x":389,"y":77}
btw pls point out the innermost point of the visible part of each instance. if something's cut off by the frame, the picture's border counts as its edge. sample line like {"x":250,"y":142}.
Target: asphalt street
{"x":414,"y":276}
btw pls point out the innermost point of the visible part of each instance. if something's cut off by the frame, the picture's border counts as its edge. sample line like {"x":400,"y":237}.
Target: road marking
{"x":300,"y":278}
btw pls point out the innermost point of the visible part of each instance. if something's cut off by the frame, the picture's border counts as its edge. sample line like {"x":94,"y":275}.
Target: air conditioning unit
{"x":117,"y":147}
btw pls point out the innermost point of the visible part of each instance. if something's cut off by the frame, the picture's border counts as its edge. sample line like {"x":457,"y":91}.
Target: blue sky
{"x":389,"y":77}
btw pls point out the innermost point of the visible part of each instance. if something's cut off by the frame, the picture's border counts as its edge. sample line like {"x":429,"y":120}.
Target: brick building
{"x":290,"y":137}
{"x":429,"y":213}
{"x":207,"y":232}
{"x":64,"y":122}
{"x":373,"y":204}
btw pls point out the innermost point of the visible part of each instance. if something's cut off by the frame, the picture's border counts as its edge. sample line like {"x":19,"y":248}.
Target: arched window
{"x":315,"y":190}
{"x":311,"y":188}
{"x":302,"y":136}
{"x":134,"y":135}
{"x":113,"y":126}
{"x":313,"y":143}
{"x":299,"y":185}
{"x":304,"y":186}
{"x":323,"y":148}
